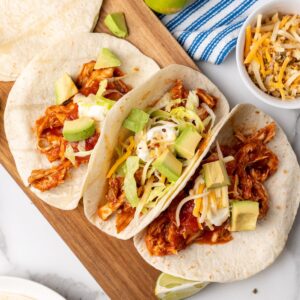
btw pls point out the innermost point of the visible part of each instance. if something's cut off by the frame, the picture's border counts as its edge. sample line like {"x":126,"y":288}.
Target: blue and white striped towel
{"x":208,"y":29}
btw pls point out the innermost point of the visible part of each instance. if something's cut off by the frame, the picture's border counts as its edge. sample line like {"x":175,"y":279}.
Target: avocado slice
{"x":116,"y":23}
{"x":79,"y":129}
{"x":136,"y":120}
{"x":244,"y":215}
{"x":187,"y":142}
{"x":107,"y":59}
{"x":168,"y":165}
{"x":65,"y":88}
{"x":215,"y":174}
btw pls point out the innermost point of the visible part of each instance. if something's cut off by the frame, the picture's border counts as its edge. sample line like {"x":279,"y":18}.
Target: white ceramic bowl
{"x":267,"y":8}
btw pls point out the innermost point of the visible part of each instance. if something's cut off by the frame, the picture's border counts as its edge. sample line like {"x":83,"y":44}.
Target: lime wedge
{"x":166,"y":6}
{"x":169,"y":287}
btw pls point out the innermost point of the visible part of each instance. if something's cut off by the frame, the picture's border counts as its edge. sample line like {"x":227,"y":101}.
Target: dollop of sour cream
{"x":219,"y":217}
{"x":165,"y":133}
{"x":160,"y":135}
{"x":88,"y":107}
{"x":142,"y":151}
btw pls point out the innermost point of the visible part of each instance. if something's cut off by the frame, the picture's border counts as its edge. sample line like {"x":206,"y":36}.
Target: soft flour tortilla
{"x":29,"y":26}
{"x":33,"y":92}
{"x":101,"y":159}
{"x":248,"y":252}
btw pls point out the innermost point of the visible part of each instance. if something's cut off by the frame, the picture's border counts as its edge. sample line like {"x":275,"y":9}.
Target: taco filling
{"x":225,"y":194}
{"x":163,"y":141}
{"x":68,"y":131}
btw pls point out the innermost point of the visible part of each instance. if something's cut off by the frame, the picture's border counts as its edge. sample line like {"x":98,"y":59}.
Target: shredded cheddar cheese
{"x":272,"y":55}
{"x":258,"y":27}
{"x":282,"y":70}
{"x":284,"y":21}
{"x":121,"y":159}
{"x":197,"y":207}
{"x":254,"y":48}
{"x":248,"y":40}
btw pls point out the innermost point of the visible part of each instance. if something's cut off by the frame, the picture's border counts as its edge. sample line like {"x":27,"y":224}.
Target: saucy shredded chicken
{"x":178,"y":91}
{"x":49,"y":178}
{"x":116,"y":202}
{"x":89,"y":79}
{"x":115,"y":198}
{"x":253,"y":164}
{"x":164,"y":237}
{"x":124,"y":217}
{"x":208,"y":99}
{"x":48,"y":128}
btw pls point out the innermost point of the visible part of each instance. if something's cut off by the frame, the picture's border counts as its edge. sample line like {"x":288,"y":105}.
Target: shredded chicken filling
{"x":48,"y":128}
{"x":253,"y":164}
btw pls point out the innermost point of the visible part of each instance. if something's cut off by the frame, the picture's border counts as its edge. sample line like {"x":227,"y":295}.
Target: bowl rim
{"x":261,"y":95}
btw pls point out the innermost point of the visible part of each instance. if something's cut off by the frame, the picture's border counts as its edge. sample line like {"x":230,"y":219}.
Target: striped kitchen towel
{"x":208,"y":29}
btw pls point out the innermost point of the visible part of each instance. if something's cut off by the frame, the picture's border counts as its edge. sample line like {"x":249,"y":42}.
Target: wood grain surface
{"x":114,"y":264}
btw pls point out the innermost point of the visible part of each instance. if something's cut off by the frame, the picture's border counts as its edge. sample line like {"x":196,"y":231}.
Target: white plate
{"x":27,"y":289}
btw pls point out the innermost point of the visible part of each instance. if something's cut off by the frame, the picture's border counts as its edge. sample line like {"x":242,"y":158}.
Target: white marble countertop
{"x":30,"y":248}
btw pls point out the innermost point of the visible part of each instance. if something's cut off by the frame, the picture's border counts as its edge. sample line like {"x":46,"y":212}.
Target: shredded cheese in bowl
{"x":272,"y":55}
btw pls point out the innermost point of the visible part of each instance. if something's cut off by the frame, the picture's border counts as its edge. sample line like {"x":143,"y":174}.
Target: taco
{"x":56,"y":110}
{"x":232,"y":218}
{"x":29,"y":26}
{"x":152,"y":140}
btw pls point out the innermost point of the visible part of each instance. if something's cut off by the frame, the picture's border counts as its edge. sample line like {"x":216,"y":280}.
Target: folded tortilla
{"x":101,"y":160}
{"x":33,"y":92}
{"x":29,"y":26}
{"x":252,"y":251}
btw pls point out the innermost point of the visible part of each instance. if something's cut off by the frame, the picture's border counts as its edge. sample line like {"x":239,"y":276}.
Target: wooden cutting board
{"x":114,"y":264}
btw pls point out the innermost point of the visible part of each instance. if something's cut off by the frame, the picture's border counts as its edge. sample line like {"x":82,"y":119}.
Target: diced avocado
{"x":160,"y":114}
{"x":215,"y":174}
{"x":116,"y":23}
{"x":244,"y":215}
{"x":79,"y":129}
{"x":136,"y":120}
{"x":187,"y":142}
{"x":107,"y":59}
{"x":168,"y":165}
{"x":64,"y":88}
